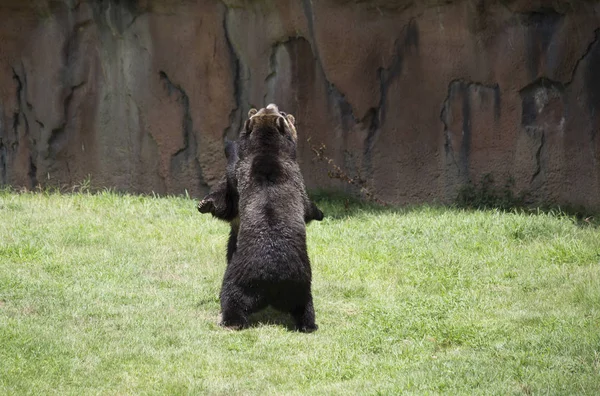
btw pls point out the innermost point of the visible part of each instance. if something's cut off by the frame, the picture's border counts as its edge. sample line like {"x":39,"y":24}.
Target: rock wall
{"x":415,"y":97}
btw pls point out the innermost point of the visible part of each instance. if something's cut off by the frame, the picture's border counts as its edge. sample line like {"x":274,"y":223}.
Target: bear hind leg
{"x":304,"y":316}
{"x":237,"y":305}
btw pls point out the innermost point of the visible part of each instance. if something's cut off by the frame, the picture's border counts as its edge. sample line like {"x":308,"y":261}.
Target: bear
{"x":222,"y":201}
{"x":270,"y":265}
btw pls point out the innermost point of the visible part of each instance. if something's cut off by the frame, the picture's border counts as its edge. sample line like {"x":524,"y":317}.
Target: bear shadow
{"x":271,"y":316}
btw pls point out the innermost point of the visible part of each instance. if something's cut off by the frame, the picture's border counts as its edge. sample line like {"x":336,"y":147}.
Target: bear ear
{"x":292,"y":125}
{"x":281,"y":125}
{"x":248,"y":126}
{"x":252,"y":112}
{"x":291,"y":119}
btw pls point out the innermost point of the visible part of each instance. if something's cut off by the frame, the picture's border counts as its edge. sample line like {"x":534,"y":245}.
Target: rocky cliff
{"x":416,"y":97}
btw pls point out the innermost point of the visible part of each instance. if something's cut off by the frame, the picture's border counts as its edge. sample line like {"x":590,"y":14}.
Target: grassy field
{"x":112,"y":294}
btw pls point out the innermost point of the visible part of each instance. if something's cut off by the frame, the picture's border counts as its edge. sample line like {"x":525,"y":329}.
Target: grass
{"x":118,"y":294}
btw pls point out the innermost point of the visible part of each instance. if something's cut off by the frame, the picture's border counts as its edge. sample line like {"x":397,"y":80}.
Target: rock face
{"x":415,"y":97}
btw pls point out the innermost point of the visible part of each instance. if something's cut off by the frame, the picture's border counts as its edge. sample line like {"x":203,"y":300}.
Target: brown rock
{"x":416,"y":98}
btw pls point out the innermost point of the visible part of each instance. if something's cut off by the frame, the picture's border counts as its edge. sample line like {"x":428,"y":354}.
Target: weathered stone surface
{"x":416,"y":97}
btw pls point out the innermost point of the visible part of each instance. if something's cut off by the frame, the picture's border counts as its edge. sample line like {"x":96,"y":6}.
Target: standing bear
{"x":222,"y":201}
{"x":270,"y":265}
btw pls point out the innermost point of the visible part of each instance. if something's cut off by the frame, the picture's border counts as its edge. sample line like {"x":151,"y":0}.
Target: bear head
{"x":273,"y":110}
{"x":269,"y":129}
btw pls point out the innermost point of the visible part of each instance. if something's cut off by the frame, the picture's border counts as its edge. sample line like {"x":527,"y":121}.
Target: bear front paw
{"x":206,"y":206}
{"x":319,"y":215}
{"x":308,"y":328}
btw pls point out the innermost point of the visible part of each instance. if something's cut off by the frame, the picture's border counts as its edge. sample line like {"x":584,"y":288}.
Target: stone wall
{"x":416,"y":97}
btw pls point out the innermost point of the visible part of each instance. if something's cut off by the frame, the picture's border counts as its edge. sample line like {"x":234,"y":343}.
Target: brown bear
{"x":270,"y":265}
{"x":222,"y":201}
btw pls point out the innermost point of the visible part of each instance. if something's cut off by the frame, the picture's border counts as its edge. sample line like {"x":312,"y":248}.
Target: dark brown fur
{"x":270,"y":265}
{"x":222,"y":201}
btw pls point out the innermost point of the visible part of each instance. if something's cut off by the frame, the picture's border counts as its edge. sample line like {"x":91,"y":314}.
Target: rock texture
{"x":416,"y":97}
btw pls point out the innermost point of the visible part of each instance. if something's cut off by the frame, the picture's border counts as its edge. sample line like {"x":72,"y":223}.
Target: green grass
{"x":118,"y":294}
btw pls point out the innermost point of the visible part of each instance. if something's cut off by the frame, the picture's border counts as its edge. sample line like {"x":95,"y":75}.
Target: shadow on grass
{"x":265,"y":317}
{"x":488,"y":195}
{"x":339,"y":206}
{"x":270,"y":316}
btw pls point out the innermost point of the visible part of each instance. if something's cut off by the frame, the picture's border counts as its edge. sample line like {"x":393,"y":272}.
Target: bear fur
{"x":270,"y":265}
{"x":222,"y":201}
